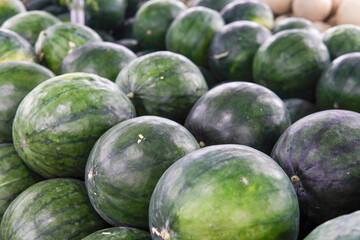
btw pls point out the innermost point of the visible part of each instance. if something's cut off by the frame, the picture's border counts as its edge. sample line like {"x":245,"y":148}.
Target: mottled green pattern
{"x":225,"y":192}
{"x":153,"y":20}
{"x":299,"y":108}
{"x":13,"y":47}
{"x":233,"y":48}
{"x":294,"y":23}
{"x":59,"y":40}
{"x":164,"y":84}
{"x":9,"y":8}
{"x":239,"y":112}
{"x":119,"y":233}
{"x":55,"y":209}
{"x":217,"y":5}
{"x":290,"y":63}
{"x":126,"y":163}
{"x":191,"y":32}
{"x":59,"y":121}
{"x":342,"y":39}
{"x":30,"y":24}
{"x":17,"y":79}
{"x":100,"y":58}
{"x":15,"y":176}
{"x":323,"y":151}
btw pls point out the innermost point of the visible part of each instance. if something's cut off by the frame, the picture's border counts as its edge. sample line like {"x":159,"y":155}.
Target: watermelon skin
{"x":299,"y":108}
{"x":153,"y":20}
{"x":15,"y":176}
{"x":224,"y":192}
{"x":306,"y":57}
{"x":191,"y":32}
{"x":59,"y":121}
{"x":163,"y":84}
{"x":50,"y":6}
{"x":59,"y":40}
{"x":320,"y":153}
{"x":9,"y":8}
{"x":119,"y":233}
{"x":30,"y":24}
{"x":51,"y":209}
{"x":133,"y":7}
{"x":100,"y":58}
{"x":17,"y":79}
{"x":15,"y":48}
{"x":239,"y":113}
{"x":250,"y":10}
{"x":342,"y":39}
{"x":294,"y":23}
{"x":217,"y":5}
{"x":233,"y":48}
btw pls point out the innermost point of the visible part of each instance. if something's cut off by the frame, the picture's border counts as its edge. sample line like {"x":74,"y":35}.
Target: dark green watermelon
{"x":163,"y":83}
{"x":217,"y":5}
{"x":13,"y":47}
{"x":321,"y":153}
{"x":191,"y":32}
{"x":59,"y":40}
{"x":153,"y":20}
{"x":51,"y":209}
{"x":17,"y":79}
{"x":9,"y":8}
{"x":126,"y":163}
{"x":339,"y":85}
{"x":233,"y":48}
{"x":51,"y":6}
{"x":290,"y":63}
{"x":224,"y":192}
{"x":59,"y":121}
{"x":15,"y":176}
{"x":299,"y":108}
{"x":251,"y":10}
{"x":101,"y":58}
{"x":119,"y":233}
{"x":240,"y":113}
{"x":294,"y":23}
{"x":105,"y":35}
{"x":133,"y":7}
{"x":30,"y":24}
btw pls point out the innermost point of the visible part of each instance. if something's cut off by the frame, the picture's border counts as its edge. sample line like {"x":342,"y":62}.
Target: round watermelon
{"x":299,"y":108}
{"x":294,"y":23}
{"x":213,"y":4}
{"x":55,"y":7}
{"x":133,"y":6}
{"x":9,"y":8}
{"x":119,"y":233}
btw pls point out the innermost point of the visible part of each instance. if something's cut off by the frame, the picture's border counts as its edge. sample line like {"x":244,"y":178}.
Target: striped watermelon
{"x":119,"y":233}
{"x":9,"y":8}
{"x":294,"y":23}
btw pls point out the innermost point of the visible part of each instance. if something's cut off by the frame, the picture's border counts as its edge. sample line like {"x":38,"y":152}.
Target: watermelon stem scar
{"x":163,"y":234}
{"x":295,"y":179}
{"x":130,"y":95}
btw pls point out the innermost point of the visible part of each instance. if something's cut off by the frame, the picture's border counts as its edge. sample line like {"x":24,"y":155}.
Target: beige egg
{"x":335,"y":4}
{"x":348,"y":12}
{"x":314,"y":10}
{"x":279,"y":6}
{"x":332,"y":20}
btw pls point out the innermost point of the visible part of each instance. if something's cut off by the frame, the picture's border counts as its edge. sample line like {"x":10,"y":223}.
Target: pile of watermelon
{"x":165,"y":120}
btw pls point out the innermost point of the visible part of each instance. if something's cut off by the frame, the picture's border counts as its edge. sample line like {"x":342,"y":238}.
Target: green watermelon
{"x":251,"y":10}
{"x":15,"y":176}
{"x":101,"y":58}
{"x":153,"y":20}
{"x":321,"y":153}
{"x":9,"y":8}
{"x":30,"y":24}
{"x":119,"y":233}
{"x":290,"y":63}
{"x":133,"y":7}
{"x":50,"y":6}
{"x":217,"y":5}
{"x":191,"y":32}
{"x":163,"y":83}
{"x":299,"y":108}
{"x":240,"y":113}
{"x":294,"y":23}
{"x":17,"y":79}
{"x":339,"y":85}
{"x":233,"y":48}
{"x":51,"y":209}
{"x":59,"y":121}
{"x":59,"y":40}
{"x":224,"y":192}
{"x":105,"y":35}
{"x":13,"y":47}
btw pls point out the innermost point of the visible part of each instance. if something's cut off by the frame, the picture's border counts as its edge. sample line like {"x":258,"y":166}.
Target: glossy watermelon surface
{"x":217,"y":5}
{"x":294,"y":23}
{"x":119,"y":233}
{"x":9,"y":8}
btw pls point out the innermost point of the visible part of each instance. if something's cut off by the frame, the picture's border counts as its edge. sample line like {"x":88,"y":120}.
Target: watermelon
{"x":50,"y":6}
{"x":126,"y":163}
{"x":240,"y":113}
{"x":51,"y":209}
{"x":299,"y":108}
{"x":162,"y":83}
{"x":294,"y":23}
{"x":321,"y":153}
{"x":105,"y":36}
{"x":9,"y":8}
{"x":15,"y":176}
{"x":133,"y":7}
{"x":339,"y":85}
{"x":119,"y":233}
{"x":251,"y":10}
{"x":17,"y":79}
{"x":15,"y":48}
{"x":59,"y":121}
{"x":217,"y":5}
{"x":342,"y":39}
{"x":153,"y":20}
{"x":30,"y":24}
{"x":224,"y":192}
{"x":101,"y":58}
{"x":59,"y":40}
{"x":290,"y":63}
{"x":191,"y":32}
{"x":233,"y":48}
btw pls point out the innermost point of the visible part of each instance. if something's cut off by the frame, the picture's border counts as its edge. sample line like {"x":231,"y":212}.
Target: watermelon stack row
{"x":165,"y":120}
